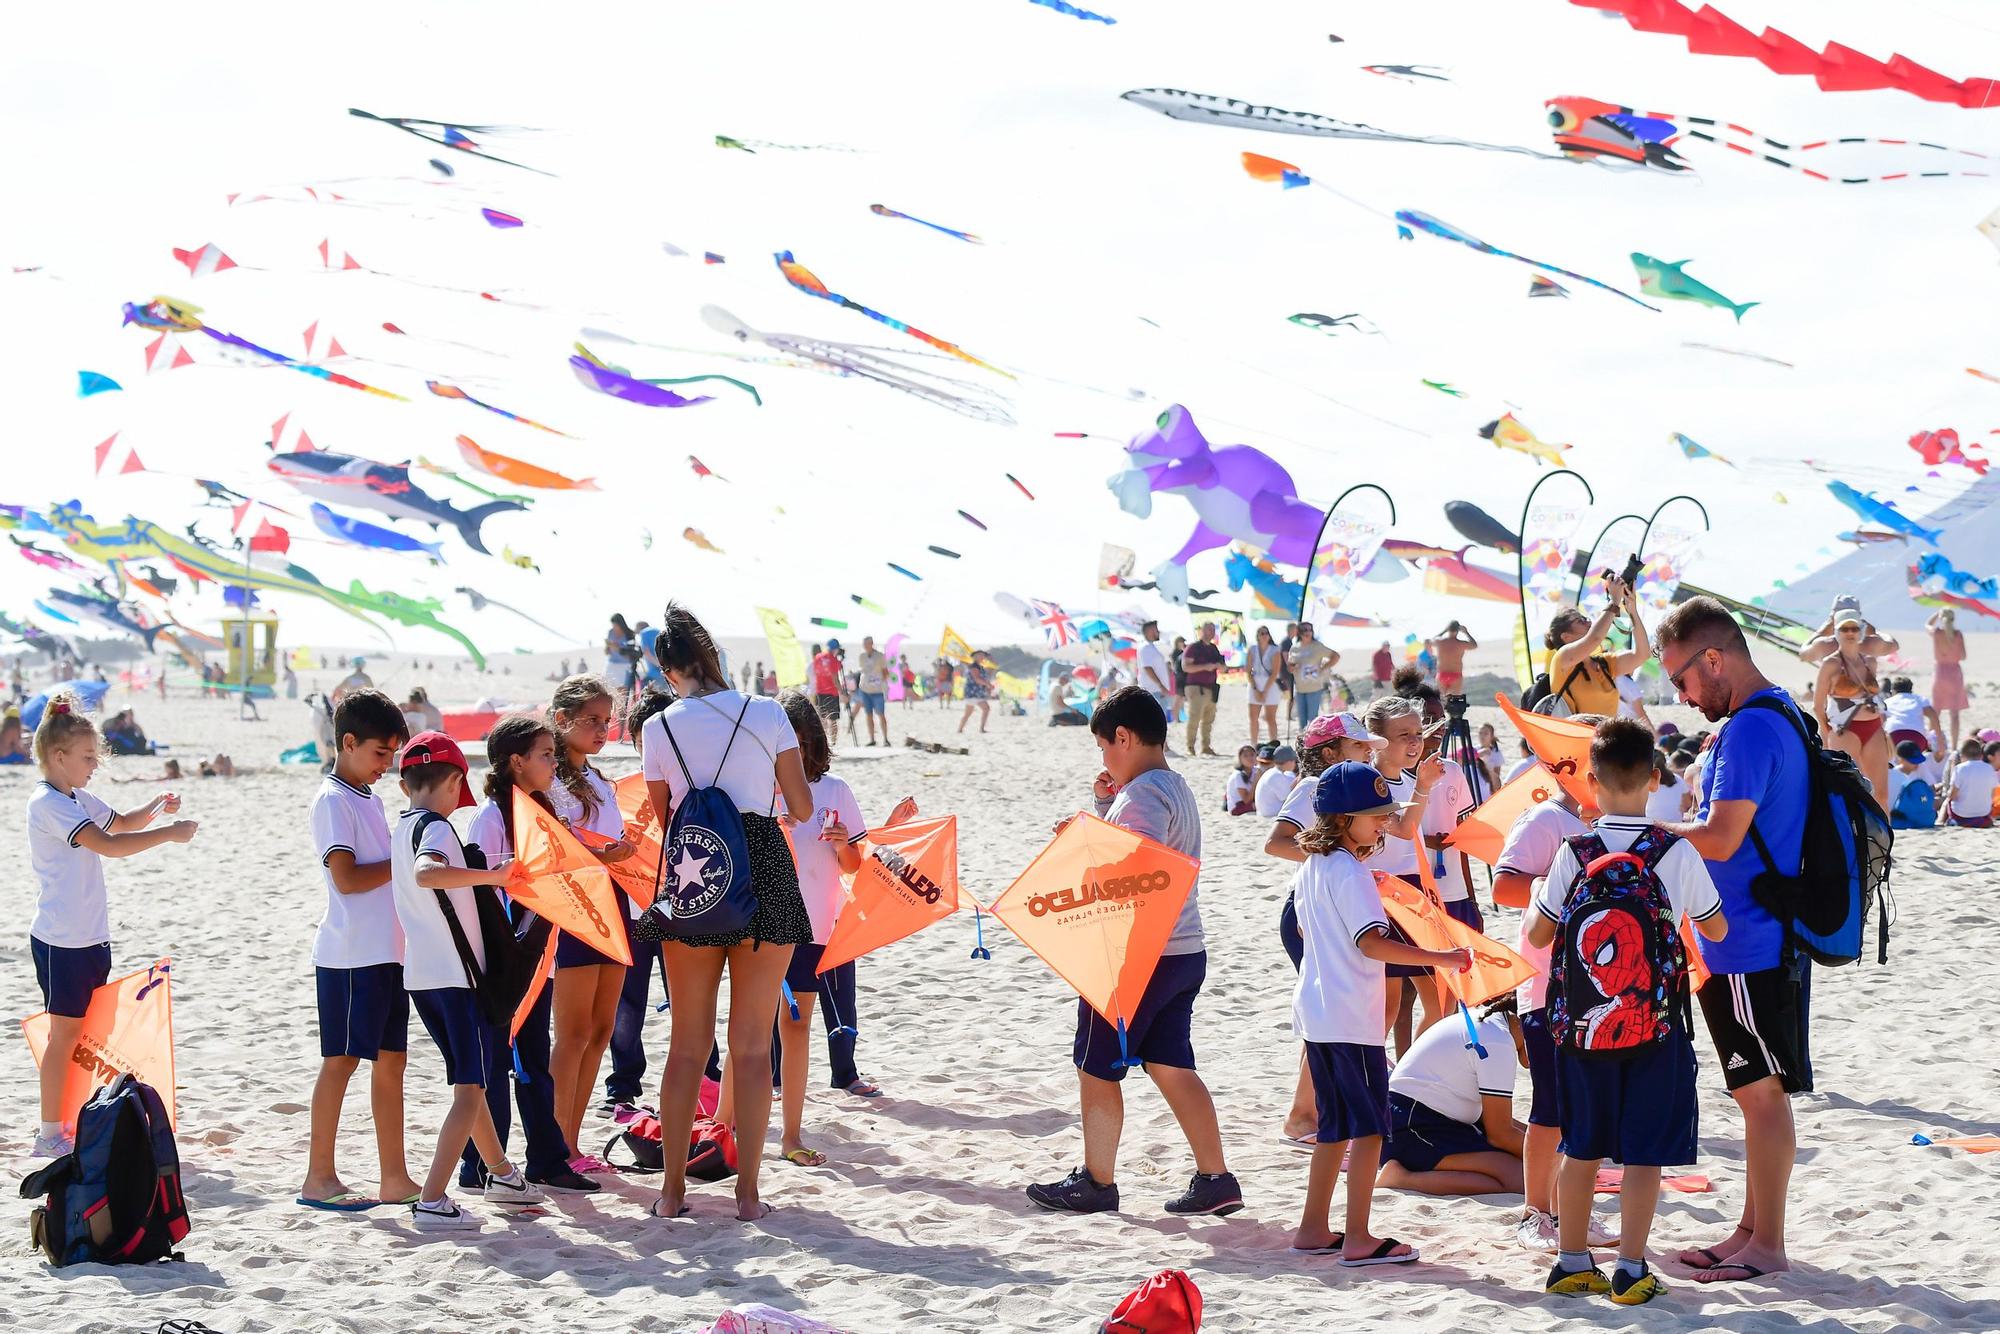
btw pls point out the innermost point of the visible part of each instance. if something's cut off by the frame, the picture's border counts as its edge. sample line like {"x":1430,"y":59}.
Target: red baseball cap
{"x":437,"y":748}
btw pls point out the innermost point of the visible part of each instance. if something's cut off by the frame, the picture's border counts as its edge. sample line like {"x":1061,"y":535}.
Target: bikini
{"x":1849,"y":697}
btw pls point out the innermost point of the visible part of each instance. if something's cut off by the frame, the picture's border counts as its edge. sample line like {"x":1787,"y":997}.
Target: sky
{"x":1128,"y":263}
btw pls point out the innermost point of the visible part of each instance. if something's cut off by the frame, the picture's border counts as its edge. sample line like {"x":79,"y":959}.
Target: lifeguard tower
{"x":252,"y":642}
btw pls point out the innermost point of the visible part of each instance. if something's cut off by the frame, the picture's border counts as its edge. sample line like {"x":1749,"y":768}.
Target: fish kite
{"x":342,"y":528}
{"x":1938,"y":448}
{"x":167,"y":316}
{"x":90,"y":382}
{"x":703,"y":470}
{"x":1934,"y":574}
{"x":865,"y":604}
{"x":1695,"y":450}
{"x":1863,"y":536}
{"x":451,"y":136}
{"x":700,"y":539}
{"x":1333,"y":324}
{"x":1064,"y":7}
{"x":519,"y":472}
{"x":1208,"y":109}
{"x":1658,"y":278}
{"x":974,"y":522}
{"x":50,"y":560}
{"x":498,"y":219}
{"x":799,"y":276}
{"x":946,"y":552}
{"x":1409,"y":221}
{"x":1540,"y":286}
{"x":443,"y":390}
{"x":884,"y":211}
{"x":597,"y":374}
{"x":1881,"y":513}
{"x":1444,"y":388}
{"x":480,"y":602}
{"x":907,"y":574}
{"x":752,"y":145}
{"x":1508,"y":433}
{"x":348,"y":480}
{"x":1017,"y":485}
{"x":518,"y":560}
{"x":1407,"y":73}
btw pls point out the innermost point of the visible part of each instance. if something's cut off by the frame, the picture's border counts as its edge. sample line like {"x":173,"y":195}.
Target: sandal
{"x":653,"y":1210}
{"x":1713,"y":1274}
{"x":804,"y":1157}
{"x":1380,"y":1256}
{"x":862,"y":1088}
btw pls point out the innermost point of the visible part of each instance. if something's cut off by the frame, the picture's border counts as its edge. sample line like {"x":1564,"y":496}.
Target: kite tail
{"x":520,"y":1073}
{"x":1124,"y":1061}
{"x":841,"y":1028}
{"x":979,"y":950}
{"x":1472,"y":1042}
{"x":792,"y":1002}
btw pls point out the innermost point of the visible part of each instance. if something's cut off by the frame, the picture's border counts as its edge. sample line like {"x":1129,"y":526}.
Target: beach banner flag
{"x":788,"y":656}
{"x":952,"y":645}
{"x":555,"y":877}
{"x":127,"y":1030}
{"x":1524,"y":662}
{"x":1561,"y":744}
{"x":907,"y":880}
{"x":1484,"y":832}
{"x":1098,"y":905}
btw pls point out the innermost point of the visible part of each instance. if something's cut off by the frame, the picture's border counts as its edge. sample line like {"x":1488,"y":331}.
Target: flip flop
{"x":653,"y":1210}
{"x":1305,"y":1143}
{"x":766,"y":1210}
{"x":804,"y":1157}
{"x":1748,"y":1271}
{"x":1707,"y":1254}
{"x":347,"y":1202}
{"x":861,"y":1088}
{"x":407,"y":1200}
{"x":1331,"y":1248}
{"x":1380,"y":1256}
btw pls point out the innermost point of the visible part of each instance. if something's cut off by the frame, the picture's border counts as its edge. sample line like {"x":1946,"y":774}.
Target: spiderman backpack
{"x":1617,"y":967}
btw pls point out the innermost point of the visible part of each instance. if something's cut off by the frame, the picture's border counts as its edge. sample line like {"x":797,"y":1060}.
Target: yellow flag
{"x":952,"y":645}
{"x":788,"y":658}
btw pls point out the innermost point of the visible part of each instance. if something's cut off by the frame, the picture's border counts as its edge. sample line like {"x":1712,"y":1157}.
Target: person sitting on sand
{"x":124,"y":736}
{"x":1451,"y":1110}
{"x":221,"y":766}
{"x":11,"y":749}
{"x":1137,"y":791}
{"x":1239,"y":793}
{"x":1972,"y":787}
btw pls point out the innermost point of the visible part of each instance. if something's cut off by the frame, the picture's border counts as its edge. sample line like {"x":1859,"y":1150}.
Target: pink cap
{"x":1331,"y":727}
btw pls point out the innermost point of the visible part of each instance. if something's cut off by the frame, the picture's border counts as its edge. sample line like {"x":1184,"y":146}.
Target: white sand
{"x":918,"y":1221}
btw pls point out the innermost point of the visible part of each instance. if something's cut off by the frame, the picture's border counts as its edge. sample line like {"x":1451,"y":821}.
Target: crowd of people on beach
{"x":1677,"y":828}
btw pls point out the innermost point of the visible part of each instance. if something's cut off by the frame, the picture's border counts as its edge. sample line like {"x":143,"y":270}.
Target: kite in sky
{"x":799,"y":276}
{"x":348,"y":480}
{"x":452,"y":135}
{"x":884,"y":211}
{"x":1208,"y":109}
{"x":1443,"y":387}
{"x":1661,"y":279}
{"x":52,"y":560}
{"x":752,"y":145}
{"x":343,"y":528}
{"x":1695,"y":450}
{"x":1935,"y":574}
{"x":1064,"y":7}
{"x":600,"y":375}
{"x":498,"y":219}
{"x":1881,"y":513}
{"x":519,"y":560}
{"x":1409,"y":221}
{"x":1545,"y":287}
{"x":700,"y":539}
{"x":443,"y":390}
{"x":974,"y":522}
{"x":1354,"y":321}
{"x":907,"y":574}
{"x":1407,"y":73}
{"x":1938,"y":448}
{"x":1508,"y":433}
{"x":90,"y":382}
{"x":480,"y":602}
{"x":169,"y":317}
{"x":519,"y":471}
{"x":1836,"y":68}
{"x":1018,"y":487}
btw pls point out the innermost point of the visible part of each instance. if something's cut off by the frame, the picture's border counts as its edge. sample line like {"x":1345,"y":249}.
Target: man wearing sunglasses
{"x":1755,"y":1002}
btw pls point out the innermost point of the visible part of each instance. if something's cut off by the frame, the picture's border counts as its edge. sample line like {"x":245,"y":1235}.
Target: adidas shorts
{"x":1758,"y":1024}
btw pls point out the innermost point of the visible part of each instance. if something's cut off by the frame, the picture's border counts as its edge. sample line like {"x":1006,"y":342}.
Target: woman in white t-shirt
{"x":714,"y":736}
{"x":1262,"y":662}
{"x":1411,"y":776}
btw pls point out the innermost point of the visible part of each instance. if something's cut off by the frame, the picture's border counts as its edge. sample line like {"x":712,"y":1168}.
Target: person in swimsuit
{"x":1948,"y":677}
{"x":1450,"y":648}
{"x":1847,"y":700}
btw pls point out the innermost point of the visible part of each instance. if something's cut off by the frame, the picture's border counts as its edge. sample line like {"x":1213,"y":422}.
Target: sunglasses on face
{"x":1674,"y":678}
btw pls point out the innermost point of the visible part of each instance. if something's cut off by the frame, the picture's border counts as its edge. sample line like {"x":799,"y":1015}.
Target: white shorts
{"x":1270,"y":694}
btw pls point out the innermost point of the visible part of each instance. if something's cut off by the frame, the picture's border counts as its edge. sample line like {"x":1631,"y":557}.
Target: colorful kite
{"x":443,"y":390}
{"x":752,"y":145}
{"x":1017,"y":485}
{"x":1539,"y":286}
{"x":1695,"y":450}
{"x":908,"y":879}
{"x":1937,"y":448}
{"x":1934,"y":574}
{"x":49,"y":560}
{"x":128,"y":1029}
{"x":348,"y":480}
{"x":700,"y":539}
{"x":480,"y":602}
{"x":1409,"y":221}
{"x":1483,"y":833}
{"x":1661,"y":279}
{"x":1208,"y":109}
{"x":1098,"y":905}
{"x":561,"y":881}
{"x":91,"y":382}
{"x":884,"y":211}
{"x":799,"y":276}
{"x":907,"y":574}
{"x":342,"y":528}
{"x":496,"y":218}
{"x":165,"y":315}
{"x":1454,"y":576}
{"x":594,"y":374}
{"x":1064,"y":7}
{"x":974,"y":522}
{"x":519,"y":560}
{"x":519,"y":472}
{"x":1561,"y":746}
{"x":1835,"y":69}
{"x":1508,"y":433}
{"x":1443,"y":388}
{"x":452,"y":135}
{"x":703,"y":470}
{"x":1407,"y":73}
{"x":1881,"y":513}
{"x":1353,"y":321}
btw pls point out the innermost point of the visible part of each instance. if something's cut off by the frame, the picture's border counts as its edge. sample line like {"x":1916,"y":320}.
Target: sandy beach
{"x":918,"y":1219}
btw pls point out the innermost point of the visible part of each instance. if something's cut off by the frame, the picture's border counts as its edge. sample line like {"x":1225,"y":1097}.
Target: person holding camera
{"x":1582,"y":673}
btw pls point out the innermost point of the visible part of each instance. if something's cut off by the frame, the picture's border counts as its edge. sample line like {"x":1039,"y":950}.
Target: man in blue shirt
{"x":1755,"y":1001}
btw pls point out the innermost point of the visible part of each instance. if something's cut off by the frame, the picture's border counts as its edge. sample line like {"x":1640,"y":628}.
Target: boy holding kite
{"x":1136,"y":790}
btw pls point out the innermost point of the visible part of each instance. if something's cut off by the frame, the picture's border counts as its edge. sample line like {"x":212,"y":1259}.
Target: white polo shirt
{"x":1274,"y":789}
{"x":356,"y":930}
{"x":1340,"y":991}
{"x":1530,"y":847}
{"x":430,"y":959}
{"x":1444,"y":1074}
{"x":71,"y":909}
{"x":820,"y":881}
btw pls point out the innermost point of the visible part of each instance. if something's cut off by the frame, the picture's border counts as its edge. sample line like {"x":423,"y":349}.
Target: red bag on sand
{"x":1166,"y":1303}
{"x":711,"y":1151}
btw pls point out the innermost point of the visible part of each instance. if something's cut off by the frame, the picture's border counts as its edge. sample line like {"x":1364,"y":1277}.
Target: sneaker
{"x":1217,"y":1194}
{"x":1576,"y":1282}
{"x":59,"y":1145}
{"x":1076,"y":1193}
{"x":513,"y":1192}
{"x":1536,"y":1231}
{"x":444,"y":1216}
{"x":566,"y":1178}
{"x":1629,"y":1291}
{"x":589,"y":1163}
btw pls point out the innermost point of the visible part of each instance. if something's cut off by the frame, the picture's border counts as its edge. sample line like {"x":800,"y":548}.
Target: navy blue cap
{"x":1354,"y":788}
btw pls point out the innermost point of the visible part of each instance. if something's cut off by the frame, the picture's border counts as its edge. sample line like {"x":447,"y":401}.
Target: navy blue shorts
{"x":1542,"y":1108}
{"x":1351,"y":1084}
{"x":454,"y":1023}
{"x":1420,"y":1136}
{"x":802,"y":974}
{"x":363,"y":1012}
{"x":1161,"y":1029}
{"x":574,"y":953}
{"x":67,"y":977}
{"x":1640,"y":1111}
{"x":1289,"y":935}
{"x":1466,"y":911}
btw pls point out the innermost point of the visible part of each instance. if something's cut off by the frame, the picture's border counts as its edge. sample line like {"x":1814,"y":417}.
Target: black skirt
{"x":781,"y":917}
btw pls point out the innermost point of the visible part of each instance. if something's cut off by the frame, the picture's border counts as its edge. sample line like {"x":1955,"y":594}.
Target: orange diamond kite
{"x":1098,"y":904}
{"x":908,"y":879}
{"x":556,"y":877}
{"x":1561,"y":744}
{"x":128,"y":1030}
{"x":1483,"y":833}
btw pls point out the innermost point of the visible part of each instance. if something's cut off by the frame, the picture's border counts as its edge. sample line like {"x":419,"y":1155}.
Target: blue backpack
{"x":704,"y":885}
{"x":116,"y":1199}
{"x":1916,"y":807}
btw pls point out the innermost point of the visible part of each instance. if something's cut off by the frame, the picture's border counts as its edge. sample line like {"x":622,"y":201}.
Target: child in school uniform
{"x":428,"y":869}
{"x":1240,"y":791}
{"x":364,"y":1014}
{"x":521,"y":754}
{"x":70,"y":832}
{"x":1626,"y":1074}
{"x":1338,"y":1009}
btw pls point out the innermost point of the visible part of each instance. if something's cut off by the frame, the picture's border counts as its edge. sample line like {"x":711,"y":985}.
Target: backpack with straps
{"x":1617,"y":967}
{"x":1916,"y":806}
{"x":1550,"y":703}
{"x":1844,"y":856}
{"x":705,"y":861}
{"x":512,"y":956}
{"x":116,"y":1199}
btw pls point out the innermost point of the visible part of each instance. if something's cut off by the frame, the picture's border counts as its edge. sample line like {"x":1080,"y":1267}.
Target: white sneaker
{"x":1537,"y":1231}
{"x":514,"y":1193}
{"x":58,"y":1145}
{"x":445,"y":1216}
